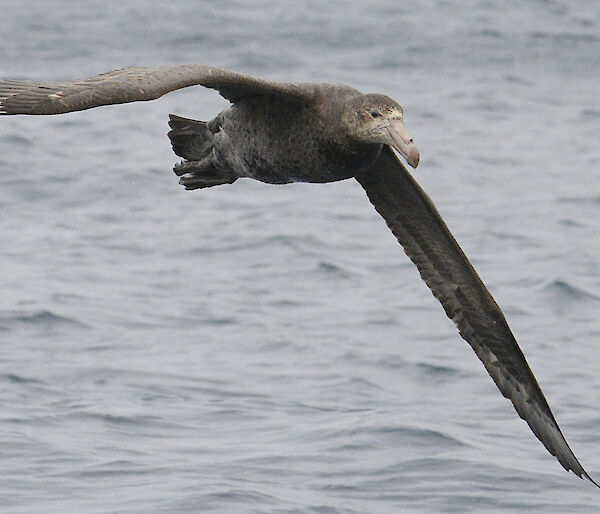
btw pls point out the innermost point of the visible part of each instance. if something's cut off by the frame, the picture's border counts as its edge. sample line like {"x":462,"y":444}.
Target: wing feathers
{"x":134,"y":85}
{"x":415,"y":222}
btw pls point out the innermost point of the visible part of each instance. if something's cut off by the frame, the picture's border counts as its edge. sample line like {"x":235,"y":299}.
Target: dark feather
{"x":134,"y":85}
{"x":414,"y":220}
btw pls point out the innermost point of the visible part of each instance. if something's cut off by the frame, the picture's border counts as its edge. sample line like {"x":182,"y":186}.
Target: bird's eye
{"x":375,"y":114}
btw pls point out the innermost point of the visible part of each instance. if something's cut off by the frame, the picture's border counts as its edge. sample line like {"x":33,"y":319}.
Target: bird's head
{"x":378,"y":119}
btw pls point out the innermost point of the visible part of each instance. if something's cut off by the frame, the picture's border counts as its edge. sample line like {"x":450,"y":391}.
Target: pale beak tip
{"x":399,"y":138}
{"x":412,"y":156}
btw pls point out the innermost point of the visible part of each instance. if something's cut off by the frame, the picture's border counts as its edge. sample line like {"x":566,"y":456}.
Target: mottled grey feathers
{"x":306,"y":116}
{"x":133,"y":85}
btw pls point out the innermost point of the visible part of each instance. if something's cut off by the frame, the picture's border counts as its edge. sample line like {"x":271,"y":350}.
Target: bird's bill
{"x":400,"y":139}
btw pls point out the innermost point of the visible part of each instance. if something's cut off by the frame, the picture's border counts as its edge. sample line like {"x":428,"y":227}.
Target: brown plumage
{"x":287,"y":132}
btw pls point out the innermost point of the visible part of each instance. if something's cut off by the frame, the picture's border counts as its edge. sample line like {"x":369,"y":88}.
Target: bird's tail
{"x":190,"y":139}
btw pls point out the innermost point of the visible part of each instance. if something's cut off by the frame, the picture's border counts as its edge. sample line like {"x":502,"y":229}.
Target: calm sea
{"x":270,"y":349}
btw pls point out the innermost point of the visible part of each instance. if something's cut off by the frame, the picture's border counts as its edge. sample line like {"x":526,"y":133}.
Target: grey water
{"x":256,"y":348}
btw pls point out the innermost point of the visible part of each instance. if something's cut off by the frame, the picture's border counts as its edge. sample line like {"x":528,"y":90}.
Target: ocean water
{"x":256,"y":349}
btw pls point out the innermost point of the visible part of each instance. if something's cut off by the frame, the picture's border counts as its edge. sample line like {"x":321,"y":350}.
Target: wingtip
{"x":582,"y":473}
{"x":585,"y":476}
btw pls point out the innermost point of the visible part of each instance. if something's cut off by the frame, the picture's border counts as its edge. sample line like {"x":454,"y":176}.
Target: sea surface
{"x":270,"y":349}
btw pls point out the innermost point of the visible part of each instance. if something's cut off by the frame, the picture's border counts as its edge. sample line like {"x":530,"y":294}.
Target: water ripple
{"x":563,"y":291}
{"x":38,"y":318}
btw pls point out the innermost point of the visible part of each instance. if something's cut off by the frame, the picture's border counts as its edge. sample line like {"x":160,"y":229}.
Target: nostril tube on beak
{"x":401,"y":140}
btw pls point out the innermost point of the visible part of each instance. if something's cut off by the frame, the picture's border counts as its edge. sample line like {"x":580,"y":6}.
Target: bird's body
{"x":258,"y":138}
{"x":276,"y":141}
{"x":279,"y":132}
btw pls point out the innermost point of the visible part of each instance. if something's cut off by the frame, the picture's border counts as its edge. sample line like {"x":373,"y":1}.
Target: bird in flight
{"x":279,"y":132}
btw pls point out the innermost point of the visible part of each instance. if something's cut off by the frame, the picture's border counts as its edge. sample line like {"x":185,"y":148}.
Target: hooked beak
{"x":399,"y":138}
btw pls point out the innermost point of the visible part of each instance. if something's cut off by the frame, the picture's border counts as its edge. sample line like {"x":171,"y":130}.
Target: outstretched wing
{"x":414,"y":220}
{"x":134,"y":85}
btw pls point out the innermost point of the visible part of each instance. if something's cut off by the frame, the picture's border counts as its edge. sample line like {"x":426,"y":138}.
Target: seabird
{"x":278,"y":132}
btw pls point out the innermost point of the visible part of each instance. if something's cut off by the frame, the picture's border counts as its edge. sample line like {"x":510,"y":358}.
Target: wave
{"x":43,"y":318}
